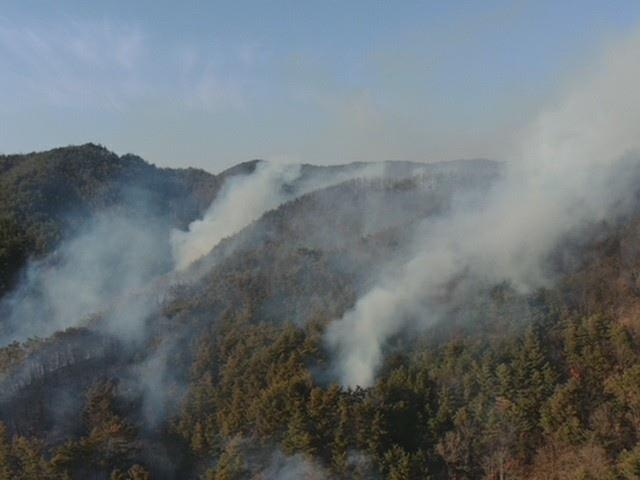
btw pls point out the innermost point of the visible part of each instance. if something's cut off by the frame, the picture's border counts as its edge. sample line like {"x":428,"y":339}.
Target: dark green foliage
{"x":46,"y":196}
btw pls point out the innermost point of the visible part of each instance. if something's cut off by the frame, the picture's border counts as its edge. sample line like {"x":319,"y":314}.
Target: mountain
{"x":45,"y":196}
{"x":118,"y":364}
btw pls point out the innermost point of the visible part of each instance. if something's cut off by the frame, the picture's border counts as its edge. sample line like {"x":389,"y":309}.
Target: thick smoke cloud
{"x":242,"y":200}
{"x":107,"y":274}
{"x":568,"y":171}
{"x":113,"y":257}
{"x":245,"y":198}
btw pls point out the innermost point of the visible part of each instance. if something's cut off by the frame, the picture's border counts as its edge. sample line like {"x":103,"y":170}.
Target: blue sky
{"x":210,"y":84}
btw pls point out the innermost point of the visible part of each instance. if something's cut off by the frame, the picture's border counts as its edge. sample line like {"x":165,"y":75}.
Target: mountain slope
{"x":222,"y":370}
{"x":46,"y":196}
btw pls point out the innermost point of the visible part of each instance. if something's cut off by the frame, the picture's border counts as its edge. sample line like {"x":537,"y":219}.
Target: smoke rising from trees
{"x":568,"y":171}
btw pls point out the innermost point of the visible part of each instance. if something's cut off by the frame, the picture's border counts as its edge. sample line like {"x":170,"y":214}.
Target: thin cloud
{"x":78,"y":64}
{"x":108,"y":66}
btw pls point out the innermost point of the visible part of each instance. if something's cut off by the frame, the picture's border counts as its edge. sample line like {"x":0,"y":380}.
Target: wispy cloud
{"x":108,"y":66}
{"x":208,"y":83}
{"x":80,"y":63}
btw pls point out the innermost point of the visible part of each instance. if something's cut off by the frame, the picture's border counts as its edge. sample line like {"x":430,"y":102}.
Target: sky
{"x":212,"y":84}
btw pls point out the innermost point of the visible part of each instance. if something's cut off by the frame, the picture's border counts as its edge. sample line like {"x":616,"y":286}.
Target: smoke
{"x":298,"y":466}
{"x":295,"y":467}
{"x":245,"y":198}
{"x":242,"y":199}
{"x":111,"y":258}
{"x":106,"y":275}
{"x":116,"y":272}
{"x":572,"y":167}
{"x":155,"y":380}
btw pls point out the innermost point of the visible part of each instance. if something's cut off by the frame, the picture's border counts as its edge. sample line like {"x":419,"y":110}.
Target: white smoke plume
{"x":109,"y":267}
{"x":568,"y":171}
{"x":296,"y":467}
{"x":242,"y":199}
{"x":111,"y":258}
{"x":245,"y":198}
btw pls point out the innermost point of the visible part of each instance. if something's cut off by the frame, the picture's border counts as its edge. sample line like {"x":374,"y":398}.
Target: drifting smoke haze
{"x":244,"y":199}
{"x":485,"y":224}
{"x":568,"y":171}
{"x":293,"y":468}
{"x":109,"y":259}
{"x":449,"y":289}
{"x":110,"y":267}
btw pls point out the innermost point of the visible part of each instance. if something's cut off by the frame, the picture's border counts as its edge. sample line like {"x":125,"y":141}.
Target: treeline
{"x":542,"y":386}
{"x":561,"y":400}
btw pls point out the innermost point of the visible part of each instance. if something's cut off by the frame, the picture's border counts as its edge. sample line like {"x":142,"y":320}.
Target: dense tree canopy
{"x":234,"y":379}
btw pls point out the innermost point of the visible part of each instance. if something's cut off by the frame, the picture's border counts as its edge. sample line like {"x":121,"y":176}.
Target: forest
{"x":223,"y":371}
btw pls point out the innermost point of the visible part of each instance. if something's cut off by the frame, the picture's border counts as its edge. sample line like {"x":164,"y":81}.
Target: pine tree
{"x":625,"y":387}
{"x":534,"y":382}
{"x":6,"y":461}
{"x":340,"y":444}
{"x":629,"y":464}
{"x":298,"y":437}
{"x":397,"y":463}
{"x":231,"y":464}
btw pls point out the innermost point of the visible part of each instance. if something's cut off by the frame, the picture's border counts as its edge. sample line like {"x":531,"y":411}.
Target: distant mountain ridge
{"x":46,"y":195}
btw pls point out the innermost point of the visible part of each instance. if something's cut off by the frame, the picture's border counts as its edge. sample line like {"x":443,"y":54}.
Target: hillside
{"x":45,"y":196}
{"x":223,"y":370}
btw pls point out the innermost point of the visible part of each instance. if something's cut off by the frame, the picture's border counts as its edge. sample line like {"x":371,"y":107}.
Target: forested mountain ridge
{"x":227,"y":374}
{"x":46,"y":196}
